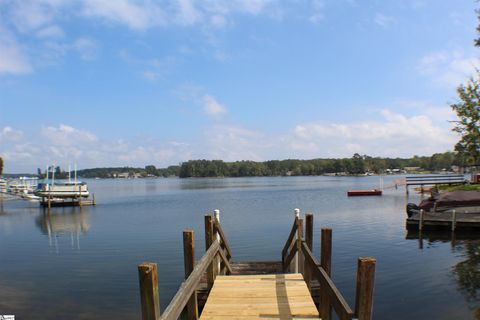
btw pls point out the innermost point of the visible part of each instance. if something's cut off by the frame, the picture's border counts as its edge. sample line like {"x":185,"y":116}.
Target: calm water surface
{"x":82,"y":263}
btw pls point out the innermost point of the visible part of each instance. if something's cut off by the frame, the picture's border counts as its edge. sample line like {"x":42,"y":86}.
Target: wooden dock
{"x":67,"y":202}
{"x":279,"y":296}
{"x":297,"y":287}
{"x":453,"y":219}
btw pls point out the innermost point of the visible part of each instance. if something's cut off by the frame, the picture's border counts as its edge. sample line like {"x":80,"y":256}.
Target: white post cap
{"x":216,"y":214}
{"x":297,"y":212}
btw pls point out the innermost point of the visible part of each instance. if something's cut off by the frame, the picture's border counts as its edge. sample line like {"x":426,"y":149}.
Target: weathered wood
{"x":326,"y":250}
{"x":189,"y":263}
{"x":454,"y":219}
{"x":327,"y":286}
{"x":290,"y":239}
{"x":218,"y":228}
{"x":309,"y":242}
{"x":326,"y":264}
{"x":365,"y":286}
{"x":281,"y":296}
{"x":299,"y":246}
{"x":148,"y":279}
{"x":309,"y":230}
{"x":225,"y":261}
{"x":420,"y":223}
{"x":289,"y":259}
{"x":209,"y":238}
{"x":179,"y":301}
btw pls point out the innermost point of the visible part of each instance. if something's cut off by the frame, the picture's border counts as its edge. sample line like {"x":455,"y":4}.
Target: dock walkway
{"x":297,"y":287}
{"x":278,"y":296}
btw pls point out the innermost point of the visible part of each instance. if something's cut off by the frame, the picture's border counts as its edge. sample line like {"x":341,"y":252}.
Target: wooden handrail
{"x":291,"y":238}
{"x":179,"y":301}
{"x":225,"y":261}
{"x":338,"y":302}
{"x":289,"y":258}
{"x":224,"y":243}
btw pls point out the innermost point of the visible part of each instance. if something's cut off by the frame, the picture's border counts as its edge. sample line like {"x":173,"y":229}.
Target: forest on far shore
{"x":356,"y":165}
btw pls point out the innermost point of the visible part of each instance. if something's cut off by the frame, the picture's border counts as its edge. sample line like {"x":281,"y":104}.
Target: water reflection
{"x":465,"y":272}
{"x":70,"y":221}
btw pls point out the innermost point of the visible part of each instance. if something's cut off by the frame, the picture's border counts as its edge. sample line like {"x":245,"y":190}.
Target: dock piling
{"x":365,"y":285}
{"x":296,"y":212}
{"x":309,"y":242}
{"x":420,"y":222}
{"x":208,"y":243}
{"x":148,"y":278}
{"x":189,"y":263}
{"x":326,"y":264}
{"x":454,"y":219}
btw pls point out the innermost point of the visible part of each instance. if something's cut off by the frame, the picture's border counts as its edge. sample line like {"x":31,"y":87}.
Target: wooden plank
{"x":148,"y":278}
{"x":336,"y":299}
{"x":218,"y":228}
{"x":174,"y":309}
{"x":189,"y":264}
{"x":291,"y":236}
{"x":289,"y":259}
{"x":225,"y":261}
{"x":262,"y":296}
{"x":209,"y":235}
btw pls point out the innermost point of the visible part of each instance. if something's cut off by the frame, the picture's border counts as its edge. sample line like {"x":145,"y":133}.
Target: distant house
{"x":123,"y":175}
{"x":412,"y":169}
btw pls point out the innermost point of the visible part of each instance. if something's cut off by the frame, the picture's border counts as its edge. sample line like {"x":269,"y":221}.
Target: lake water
{"x":81,"y":263}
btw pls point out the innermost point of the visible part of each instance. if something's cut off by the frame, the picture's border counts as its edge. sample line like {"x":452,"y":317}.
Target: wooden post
{"x":309,"y":242}
{"x":326,"y":264}
{"x":296,"y":212}
{"x":365,"y":285}
{"x":454,"y":220}
{"x":148,"y":278}
{"x":189,"y":263}
{"x":301,"y":260}
{"x":208,"y":243}
{"x":216,"y":215}
{"x":420,"y":221}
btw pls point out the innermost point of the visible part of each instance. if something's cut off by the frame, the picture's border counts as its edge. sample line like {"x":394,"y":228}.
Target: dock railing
{"x":216,"y":260}
{"x":329,"y":295}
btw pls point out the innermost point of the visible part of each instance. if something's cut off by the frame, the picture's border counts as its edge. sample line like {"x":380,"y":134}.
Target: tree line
{"x":356,"y":165}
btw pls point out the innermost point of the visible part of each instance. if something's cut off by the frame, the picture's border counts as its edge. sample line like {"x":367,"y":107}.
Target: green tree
{"x":468,"y":125}
{"x":1,"y":166}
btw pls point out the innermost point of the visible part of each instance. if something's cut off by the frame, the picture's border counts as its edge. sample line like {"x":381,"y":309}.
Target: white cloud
{"x":29,"y":15}
{"x":187,"y":13}
{"x":448,"y":68}
{"x":212,"y":107}
{"x":65,"y":135}
{"x":136,"y":15}
{"x":8,"y":134}
{"x":384,"y":21}
{"x":317,"y":8}
{"x":12,"y":58}
{"x":232,"y":143}
{"x":397,"y":135}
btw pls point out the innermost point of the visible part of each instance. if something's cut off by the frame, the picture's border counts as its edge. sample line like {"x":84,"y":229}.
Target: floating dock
{"x":67,"y":202}
{"x":297,"y":287}
{"x":451,"y":219}
{"x":371,"y":192}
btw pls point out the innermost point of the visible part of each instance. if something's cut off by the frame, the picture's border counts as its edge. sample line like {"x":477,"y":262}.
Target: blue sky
{"x":113,"y":83}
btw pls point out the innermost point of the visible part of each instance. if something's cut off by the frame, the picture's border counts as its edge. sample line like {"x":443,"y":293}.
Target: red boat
{"x":372,"y":192}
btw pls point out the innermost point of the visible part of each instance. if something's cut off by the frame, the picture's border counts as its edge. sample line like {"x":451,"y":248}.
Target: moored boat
{"x":63,"y":190}
{"x":461,"y":201}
